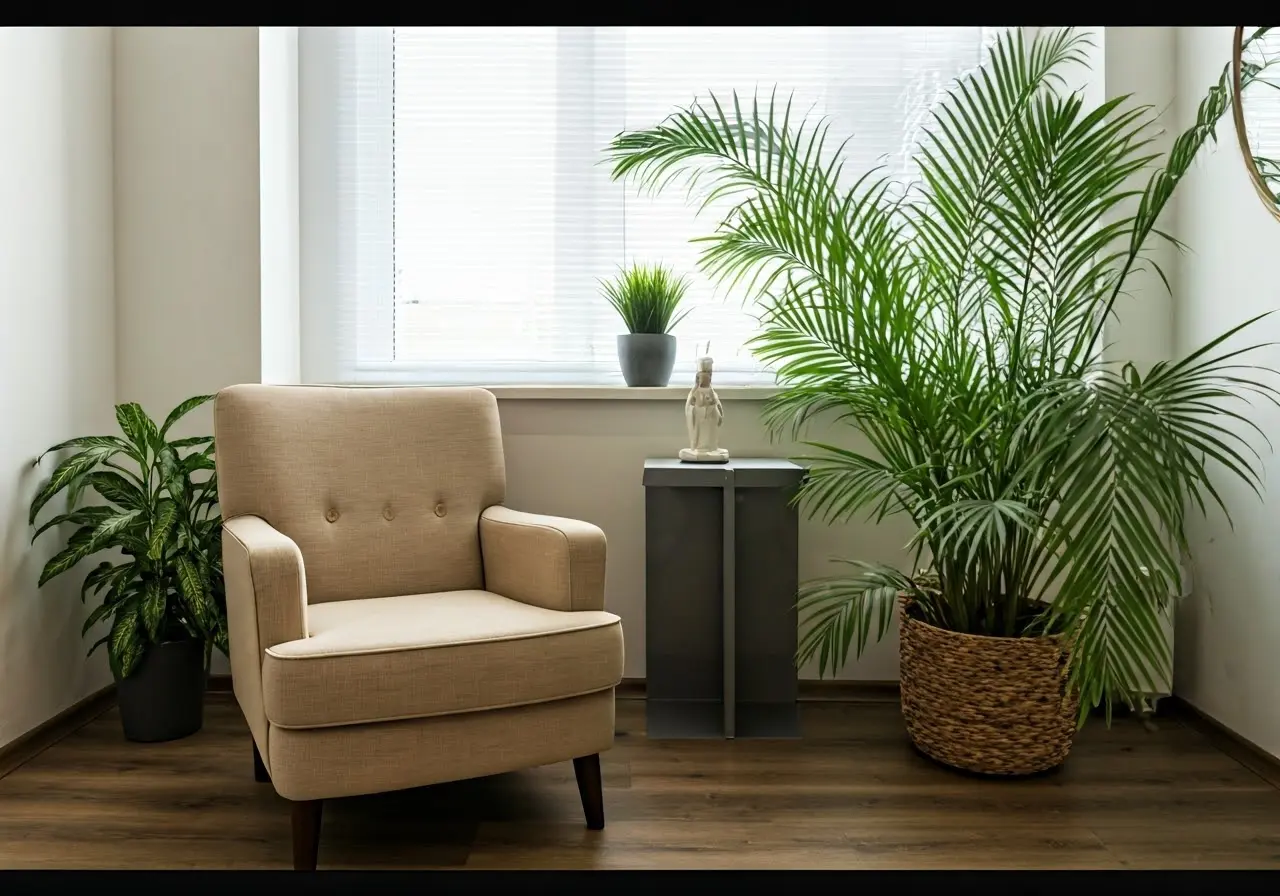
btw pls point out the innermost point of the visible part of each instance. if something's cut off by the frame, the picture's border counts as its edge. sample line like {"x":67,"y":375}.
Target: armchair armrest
{"x":265,"y":581}
{"x":266,"y":605}
{"x":545,"y":561}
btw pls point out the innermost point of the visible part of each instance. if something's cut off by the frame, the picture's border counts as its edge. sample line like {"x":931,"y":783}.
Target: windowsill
{"x":625,"y":393}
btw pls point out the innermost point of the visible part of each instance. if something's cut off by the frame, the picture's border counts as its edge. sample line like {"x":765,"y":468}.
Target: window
{"x":456,"y":216}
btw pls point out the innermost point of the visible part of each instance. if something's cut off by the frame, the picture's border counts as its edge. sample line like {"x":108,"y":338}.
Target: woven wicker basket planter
{"x":994,"y":706}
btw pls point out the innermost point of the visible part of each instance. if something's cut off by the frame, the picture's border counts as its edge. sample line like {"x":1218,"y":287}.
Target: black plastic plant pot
{"x":164,"y":697}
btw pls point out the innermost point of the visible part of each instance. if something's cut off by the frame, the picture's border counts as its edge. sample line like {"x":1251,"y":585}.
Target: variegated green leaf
{"x":126,"y":645}
{"x":165,"y":516}
{"x":193,"y":462}
{"x":190,"y":442}
{"x":220,"y":638}
{"x":138,"y":428}
{"x":154,"y":602}
{"x":98,"y":614}
{"x":89,"y":442}
{"x":168,"y":462}
{"x":204,"y":566}
{"x":77,"y":486}
{"x":176,"y":481}
{"x":117,"y":489}
{"x":65,"y":559}
{"x":206,"y":611}
{"x":65,"y":473}
{"x":133,"y":542}
{"x":182,"y":410}
{"x":190,"y":583}
{"x":124,"y":595}
{"x":108,"y":530}
{"x":122,"y":582}
{"x":96,"y":579}
{"x":178,"y":487}
{"x":83,"y":516}
{"x":208,"y":492}
{"x":98,"y":643}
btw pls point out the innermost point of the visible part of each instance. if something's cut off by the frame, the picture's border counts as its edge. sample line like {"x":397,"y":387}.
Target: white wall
{"x":278,"y":210}
{"x":187,"y":214}
{"x":1228,"y":665}
{"x":57,"y":357}
{"x":1142,"y":62}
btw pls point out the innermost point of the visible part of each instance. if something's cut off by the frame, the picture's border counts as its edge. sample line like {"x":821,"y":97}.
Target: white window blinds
{"x":456,"y":216}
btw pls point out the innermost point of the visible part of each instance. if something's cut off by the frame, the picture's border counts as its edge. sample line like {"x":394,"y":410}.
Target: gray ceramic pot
{"x":647,"y":358}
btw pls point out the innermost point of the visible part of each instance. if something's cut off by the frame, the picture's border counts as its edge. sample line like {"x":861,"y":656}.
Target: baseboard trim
{"x":834,"y":690}
{"x":40,"y":738}
{"x":630,"y":689}
{"x":1237,"y":746}
{"x":811,"y":691}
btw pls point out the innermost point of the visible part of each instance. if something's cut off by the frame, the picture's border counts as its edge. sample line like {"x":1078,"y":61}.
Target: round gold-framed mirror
{"x":1255,"y":100}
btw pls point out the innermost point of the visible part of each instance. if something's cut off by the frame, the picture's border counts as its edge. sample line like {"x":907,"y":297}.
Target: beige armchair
{"x":392,"y":624}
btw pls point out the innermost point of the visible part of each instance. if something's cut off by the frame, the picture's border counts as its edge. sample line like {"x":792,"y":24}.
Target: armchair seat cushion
{"x":419,"y":655}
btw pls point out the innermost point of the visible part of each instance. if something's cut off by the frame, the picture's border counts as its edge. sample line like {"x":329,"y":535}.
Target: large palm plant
{"x":960,"y":328}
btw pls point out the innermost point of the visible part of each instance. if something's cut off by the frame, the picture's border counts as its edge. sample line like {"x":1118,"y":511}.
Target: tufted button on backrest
{"x":428,"y":460}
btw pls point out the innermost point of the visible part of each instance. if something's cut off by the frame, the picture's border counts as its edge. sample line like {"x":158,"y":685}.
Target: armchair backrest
{"x":380,"y":488}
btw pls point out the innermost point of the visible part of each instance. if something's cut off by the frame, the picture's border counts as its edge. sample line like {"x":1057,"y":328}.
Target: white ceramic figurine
{"x":703,"y":415}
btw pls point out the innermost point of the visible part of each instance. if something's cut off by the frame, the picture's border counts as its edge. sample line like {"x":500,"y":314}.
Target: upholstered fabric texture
{"x":380,"y":489}
{"x":321,"y":763}
{"x":392,"y":625}
{"x":242,"y":632}
{"x":430,"y":654}
{"x":546,"y":561}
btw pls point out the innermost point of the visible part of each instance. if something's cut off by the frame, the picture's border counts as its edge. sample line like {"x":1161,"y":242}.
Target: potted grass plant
{"x":153,"y":512}
{"x":959,"y":326}
{"x":647,"y":298}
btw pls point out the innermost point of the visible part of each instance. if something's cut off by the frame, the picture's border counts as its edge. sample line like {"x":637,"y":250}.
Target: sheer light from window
{"x":456,"y":214}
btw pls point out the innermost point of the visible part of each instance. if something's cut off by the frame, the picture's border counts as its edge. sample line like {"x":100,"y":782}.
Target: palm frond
{"x":957,"y":325}
{"x":840,"y":612}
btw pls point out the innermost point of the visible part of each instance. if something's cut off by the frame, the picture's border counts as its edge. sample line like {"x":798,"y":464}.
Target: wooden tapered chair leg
{"x":259,"y":767}
{"x":587,"y":771}
{"x":306,"y":834}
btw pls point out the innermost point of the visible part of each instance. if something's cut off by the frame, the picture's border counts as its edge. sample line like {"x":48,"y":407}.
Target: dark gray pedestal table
{"x":721,"y":558}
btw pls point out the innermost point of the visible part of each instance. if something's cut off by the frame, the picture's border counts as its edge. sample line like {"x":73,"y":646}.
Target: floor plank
{"x":850,"y":794}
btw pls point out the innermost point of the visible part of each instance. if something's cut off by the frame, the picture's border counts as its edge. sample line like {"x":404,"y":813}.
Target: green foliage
{"x":959,"y":326}
{"x":647,"y":298}
{"x":160,"y":515}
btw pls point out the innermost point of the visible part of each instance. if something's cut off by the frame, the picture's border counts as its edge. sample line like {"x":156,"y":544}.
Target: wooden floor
{"x":850,"y":794}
